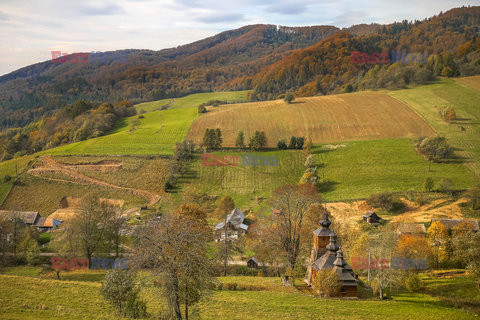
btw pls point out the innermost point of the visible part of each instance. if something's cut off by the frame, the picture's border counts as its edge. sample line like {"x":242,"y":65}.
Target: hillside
{"x":270,"y":59}
{"x":205,"y":65}
{"x":450,"y":40}
{"x":335,"y":118}
{"x":390,"y":163}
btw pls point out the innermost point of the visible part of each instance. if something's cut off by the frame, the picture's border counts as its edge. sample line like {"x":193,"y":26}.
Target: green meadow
{"x":462,"y":133}
{"x":348,"y":171}
{"x":27,"y":294}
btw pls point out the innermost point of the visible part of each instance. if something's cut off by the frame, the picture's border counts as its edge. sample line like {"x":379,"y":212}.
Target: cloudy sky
{"x":31,"y":29}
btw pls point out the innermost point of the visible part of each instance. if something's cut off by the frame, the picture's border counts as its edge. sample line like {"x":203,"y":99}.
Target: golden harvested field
{"x":472,"y":82}
{"x":346,"y":117}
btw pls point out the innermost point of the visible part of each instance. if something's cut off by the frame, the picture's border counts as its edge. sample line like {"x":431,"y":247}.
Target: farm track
{"x":47,"y":164}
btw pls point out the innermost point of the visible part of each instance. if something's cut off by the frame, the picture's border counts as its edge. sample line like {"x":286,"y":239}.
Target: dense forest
{"x":450,"y":42}
{"x":78,"y":121}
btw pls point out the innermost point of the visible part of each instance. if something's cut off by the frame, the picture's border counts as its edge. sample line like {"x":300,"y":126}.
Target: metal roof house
{"x":32,"y":218}
{"x":235,"y":226}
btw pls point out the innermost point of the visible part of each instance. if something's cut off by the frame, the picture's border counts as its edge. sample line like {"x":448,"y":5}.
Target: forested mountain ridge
{"x":267,"y":58}
{"x":450,"y":43}
{"x":205,"y":65}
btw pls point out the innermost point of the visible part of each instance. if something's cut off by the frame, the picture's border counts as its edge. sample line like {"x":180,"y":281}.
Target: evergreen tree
{"x":240,"y":142}
{"x":218,"y":139}
{"x":293,"y":143}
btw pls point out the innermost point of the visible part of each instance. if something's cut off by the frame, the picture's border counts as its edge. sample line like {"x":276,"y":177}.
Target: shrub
{"x":230,"y":286}
{"x":121,"y":290}
{"x":428,"y":184}
{"x":202,"y":109}
{"x":386,"y":201}
{"x":44,"y":238}
{"x":289,"y":97}
{"x":446,"y":185}
{"x":413,"y":283}
{"x":281,"y":144}
{"x":435,"y":148}
{"x":6,"y":178}
{"x":326,"y":283}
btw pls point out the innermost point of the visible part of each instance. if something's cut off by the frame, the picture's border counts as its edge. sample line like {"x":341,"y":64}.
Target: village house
{"x":252,"y":263}
{"x":31,"y":218}
{"x":450,"y":224}
{"x":372,"y":218}
{"x":411,"y":229}
{"x":235,"y":227}
{"x":326,"y":255}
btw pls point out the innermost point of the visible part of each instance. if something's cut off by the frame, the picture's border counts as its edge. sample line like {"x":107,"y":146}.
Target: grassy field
{"x":345,"y":117}
{"x":31,"y":297}
{"x":157,"y":132}
{"x":427,"y":99}
{"x":352,"y":170}
{"x":10,"y":168}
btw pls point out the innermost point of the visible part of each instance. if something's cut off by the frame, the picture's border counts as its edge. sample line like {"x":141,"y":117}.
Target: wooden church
{"x":326,"y":255}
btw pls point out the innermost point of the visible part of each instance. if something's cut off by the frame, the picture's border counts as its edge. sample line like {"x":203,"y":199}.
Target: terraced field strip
{"x":346,"y":117}
{"x":48,"y":165}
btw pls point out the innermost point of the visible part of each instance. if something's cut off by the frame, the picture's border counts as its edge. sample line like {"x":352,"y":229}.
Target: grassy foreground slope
{"x":344,"y":117}
{"x":33,"y":298}
{"x":464,"y":132}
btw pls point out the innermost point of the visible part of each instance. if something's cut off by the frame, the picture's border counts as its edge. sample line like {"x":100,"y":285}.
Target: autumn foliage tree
{"x":290,"y":204}
{"x":175,"y":248}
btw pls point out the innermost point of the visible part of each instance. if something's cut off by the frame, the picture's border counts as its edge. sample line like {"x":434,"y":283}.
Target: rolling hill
{"x":364,"y":143}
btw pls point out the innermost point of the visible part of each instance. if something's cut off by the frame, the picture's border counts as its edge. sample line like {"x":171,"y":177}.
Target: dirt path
{"x":47,"y":164}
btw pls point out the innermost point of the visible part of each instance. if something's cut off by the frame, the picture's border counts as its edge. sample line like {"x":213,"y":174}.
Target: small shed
{"x":371,"y":217}
{"x":252,"y":263}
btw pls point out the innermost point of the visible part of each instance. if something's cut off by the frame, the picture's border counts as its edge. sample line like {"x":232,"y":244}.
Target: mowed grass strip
{"x":346,"y":117}
{"x":464,"y":132}
{"x":193,"y":100}
{"x":157,"y":132}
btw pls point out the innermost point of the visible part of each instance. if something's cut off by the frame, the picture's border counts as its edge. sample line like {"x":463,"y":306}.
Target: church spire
{"x":339,"y":262}
{"x":325,"y":223}
{"x":333,"y":246}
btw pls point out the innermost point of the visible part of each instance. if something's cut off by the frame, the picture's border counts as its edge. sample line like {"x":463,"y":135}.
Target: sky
{"x":31,"y":29}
